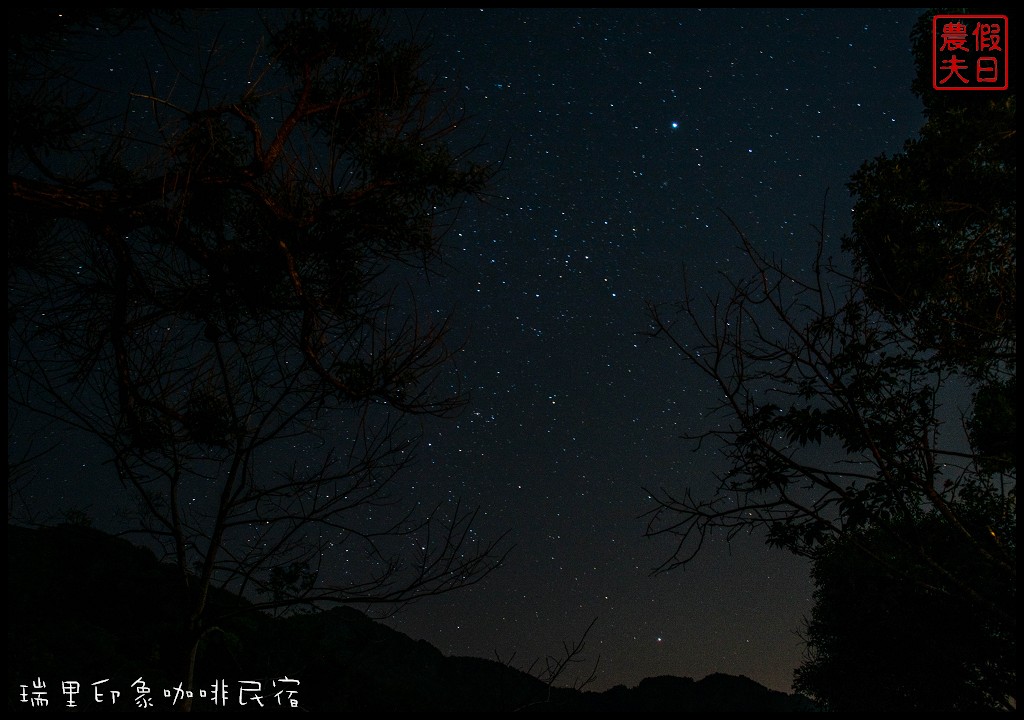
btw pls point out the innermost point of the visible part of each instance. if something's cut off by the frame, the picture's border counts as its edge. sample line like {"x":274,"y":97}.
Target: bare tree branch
{"x":831,"y":420}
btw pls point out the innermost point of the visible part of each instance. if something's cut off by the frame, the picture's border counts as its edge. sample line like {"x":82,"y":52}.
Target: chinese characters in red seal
{"x":969,"y":52}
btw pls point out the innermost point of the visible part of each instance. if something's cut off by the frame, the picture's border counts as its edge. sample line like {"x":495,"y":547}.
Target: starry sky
{"x":626,"y":138}
{"x":630,"y":133}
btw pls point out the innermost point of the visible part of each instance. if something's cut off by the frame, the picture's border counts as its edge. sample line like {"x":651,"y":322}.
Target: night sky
{"x":629,"y":134}
{"x":624,"y":135}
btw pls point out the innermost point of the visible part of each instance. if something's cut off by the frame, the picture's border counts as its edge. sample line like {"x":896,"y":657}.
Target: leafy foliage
{"x":878,"y":643}
{"x":935,"y":226}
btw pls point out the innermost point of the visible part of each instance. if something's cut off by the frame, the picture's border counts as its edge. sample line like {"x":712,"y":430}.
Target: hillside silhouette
{"x":86,"y":607}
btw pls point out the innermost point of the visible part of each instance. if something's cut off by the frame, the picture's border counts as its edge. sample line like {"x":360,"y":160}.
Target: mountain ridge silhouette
{"x":87,"y":606}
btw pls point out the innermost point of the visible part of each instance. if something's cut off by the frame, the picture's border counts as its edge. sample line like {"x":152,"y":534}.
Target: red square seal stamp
{"x":969,"y":52}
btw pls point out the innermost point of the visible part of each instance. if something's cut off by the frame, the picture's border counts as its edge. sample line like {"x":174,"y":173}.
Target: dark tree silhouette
{"x":935,"y":243}
{"x":935,"y":225}
{"x":217,"y":270}
{"x":878,"y":643}
{"x":831,"y":421}
{"x":874,"y":412}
